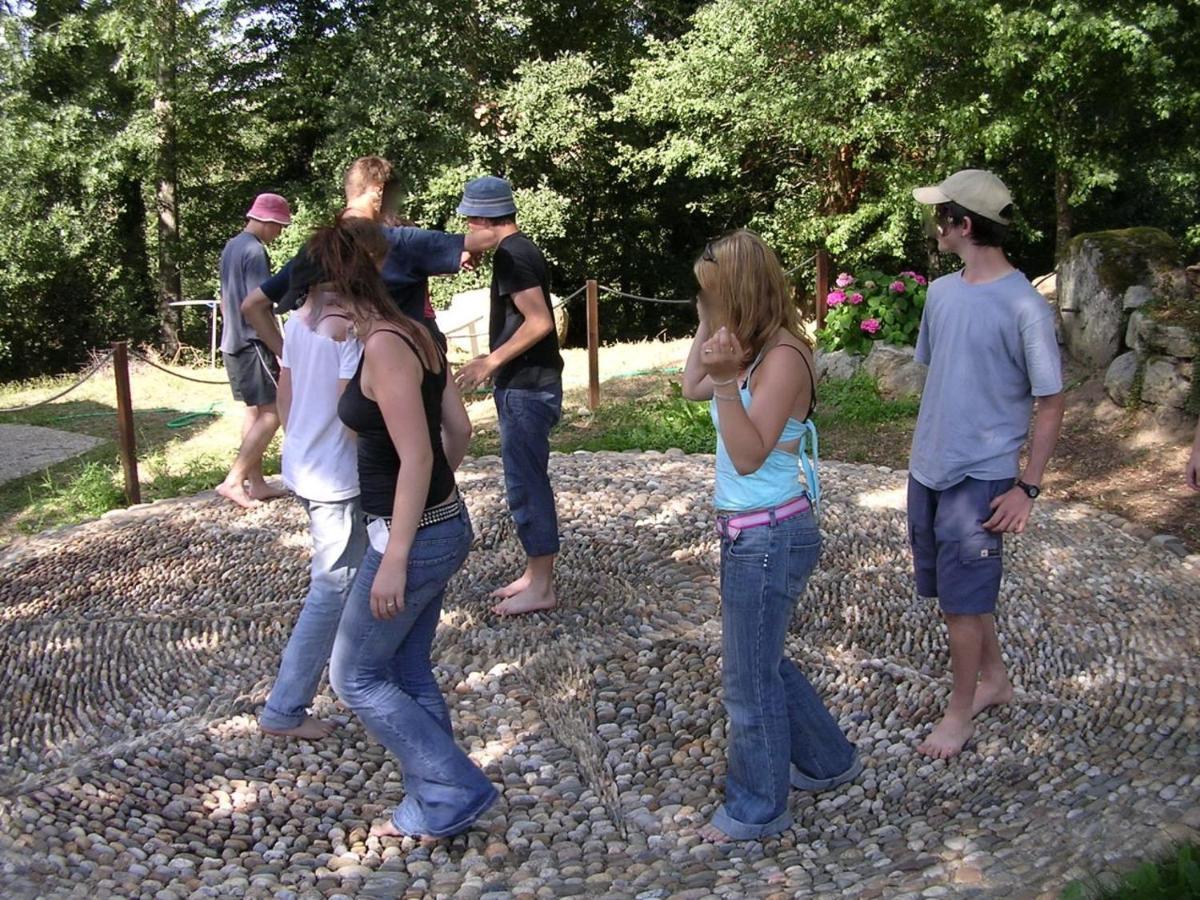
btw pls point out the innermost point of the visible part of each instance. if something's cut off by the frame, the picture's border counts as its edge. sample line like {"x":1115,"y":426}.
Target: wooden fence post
{"x":125,"y":434}
{"x":593,"y":339}
{"x":823,"y":266}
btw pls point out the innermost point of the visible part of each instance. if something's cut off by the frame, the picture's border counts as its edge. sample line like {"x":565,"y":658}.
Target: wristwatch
{"x":1031,"y":490}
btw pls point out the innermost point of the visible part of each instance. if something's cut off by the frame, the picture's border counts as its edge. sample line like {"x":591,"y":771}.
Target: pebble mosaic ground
{"x":137,"y":650}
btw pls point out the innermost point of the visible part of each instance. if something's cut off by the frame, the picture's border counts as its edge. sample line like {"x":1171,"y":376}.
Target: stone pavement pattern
{"x":138,"y":648}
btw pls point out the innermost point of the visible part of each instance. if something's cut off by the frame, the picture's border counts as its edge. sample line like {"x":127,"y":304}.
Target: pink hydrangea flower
{"x":897,"y":287}
{"x":870,"y":326}
{"x":834,"y":298}
{"x":855,"y":299}
{"x":920,"y":279}
{"x":908,"y":273}
{"x":845,"y":280}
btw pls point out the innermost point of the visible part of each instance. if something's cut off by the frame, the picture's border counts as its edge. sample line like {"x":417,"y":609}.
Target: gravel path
{"x":28,"y":448}
{"x":138,"y":648}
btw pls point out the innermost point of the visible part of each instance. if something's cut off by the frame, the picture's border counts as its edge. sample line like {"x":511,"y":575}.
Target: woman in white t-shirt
{"x":320,"y":355}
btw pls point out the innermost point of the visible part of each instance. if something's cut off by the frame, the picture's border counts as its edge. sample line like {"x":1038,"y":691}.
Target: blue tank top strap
{"x":809,"y":452}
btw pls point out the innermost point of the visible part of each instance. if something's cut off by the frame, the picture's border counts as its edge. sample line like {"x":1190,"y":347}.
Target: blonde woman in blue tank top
{"x":751,"y":362}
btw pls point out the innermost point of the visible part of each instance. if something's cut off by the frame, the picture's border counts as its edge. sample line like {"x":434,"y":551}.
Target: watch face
{"x":1031,"y":490}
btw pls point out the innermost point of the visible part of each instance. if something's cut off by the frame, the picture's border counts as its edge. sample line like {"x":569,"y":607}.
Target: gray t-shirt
{"x":244,"y":266}
{"x":990,"y":349}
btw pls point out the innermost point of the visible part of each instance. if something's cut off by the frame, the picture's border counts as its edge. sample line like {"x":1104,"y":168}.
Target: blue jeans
{"x":526,"y":417}
{"x":382,"y":671}
{"x":339,"y":540}
{"x":776,"y":719}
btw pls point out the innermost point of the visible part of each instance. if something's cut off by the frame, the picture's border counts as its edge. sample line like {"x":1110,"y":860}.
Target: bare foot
{"x":237,"y":494}
{"x":310,"y":728}
{"x":948,"y":738}
{"x":991,"y":693}
{"x":512,"y":588}
{"x":262,"y":490}
{"x":713,"y":834}
{"x":387,"y":829}
{"x":528,"y":600}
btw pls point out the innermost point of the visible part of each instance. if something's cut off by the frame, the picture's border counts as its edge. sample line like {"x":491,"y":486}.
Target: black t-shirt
{"x":378,"y":462}
{"x":518,"y":266}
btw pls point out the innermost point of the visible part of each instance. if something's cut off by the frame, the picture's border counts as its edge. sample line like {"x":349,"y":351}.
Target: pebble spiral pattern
{"x":138,"y":649}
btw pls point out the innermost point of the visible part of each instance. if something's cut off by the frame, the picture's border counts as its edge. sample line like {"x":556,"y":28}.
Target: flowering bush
{"x":872,"y":306}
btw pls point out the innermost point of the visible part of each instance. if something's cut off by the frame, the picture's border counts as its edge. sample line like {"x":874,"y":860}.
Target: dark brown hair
{"x":348,"y":254}
{"x":984,"y":231}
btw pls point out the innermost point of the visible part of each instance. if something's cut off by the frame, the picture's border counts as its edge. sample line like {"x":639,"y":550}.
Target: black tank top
{"x":378,"y":461}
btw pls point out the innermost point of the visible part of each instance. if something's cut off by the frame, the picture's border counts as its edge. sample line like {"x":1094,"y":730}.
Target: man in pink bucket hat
{"x":253,"y":369}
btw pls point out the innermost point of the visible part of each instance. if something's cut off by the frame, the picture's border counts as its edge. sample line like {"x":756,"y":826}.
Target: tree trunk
{"x":170,"y":288}
{"x":1064,"y":216}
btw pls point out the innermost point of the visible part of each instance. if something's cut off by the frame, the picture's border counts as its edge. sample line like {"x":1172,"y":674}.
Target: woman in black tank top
{"x":412,"y":433}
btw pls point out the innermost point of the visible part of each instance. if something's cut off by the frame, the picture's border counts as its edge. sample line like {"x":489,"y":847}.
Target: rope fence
{"x":96,"y":366}
{"x":148,"y":361}
{"x":119,"y":355}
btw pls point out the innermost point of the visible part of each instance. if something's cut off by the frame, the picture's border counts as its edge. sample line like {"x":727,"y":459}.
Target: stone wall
{"x":1127,"y":305}
{"x":894,"y":369}
{"x":1102,"y":278}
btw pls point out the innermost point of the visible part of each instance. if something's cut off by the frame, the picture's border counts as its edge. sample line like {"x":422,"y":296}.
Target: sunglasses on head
{"x":708,"y":255}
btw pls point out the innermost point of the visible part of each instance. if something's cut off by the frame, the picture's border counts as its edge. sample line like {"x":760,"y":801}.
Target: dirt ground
{"x":1124,"y":462}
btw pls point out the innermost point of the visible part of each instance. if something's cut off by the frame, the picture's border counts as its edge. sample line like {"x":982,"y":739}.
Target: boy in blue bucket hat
{"x":525,"y":368}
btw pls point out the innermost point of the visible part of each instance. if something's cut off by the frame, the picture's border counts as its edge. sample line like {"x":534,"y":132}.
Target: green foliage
{"x":1176,"y":877}
{"x":857,"y":400}
{"x":873,"y":306}
{"x":657,"y":425}
{"x":86,"y":492}
{"x":635,"y":131}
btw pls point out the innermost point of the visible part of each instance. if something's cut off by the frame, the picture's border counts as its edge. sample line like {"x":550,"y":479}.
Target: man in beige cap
{"x":988,"y":339}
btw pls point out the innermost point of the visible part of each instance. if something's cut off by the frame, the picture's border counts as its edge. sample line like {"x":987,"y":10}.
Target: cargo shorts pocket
{"x":980,"y":548}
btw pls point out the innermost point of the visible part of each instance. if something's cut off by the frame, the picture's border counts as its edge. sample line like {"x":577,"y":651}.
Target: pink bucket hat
{"x":270,"y":208}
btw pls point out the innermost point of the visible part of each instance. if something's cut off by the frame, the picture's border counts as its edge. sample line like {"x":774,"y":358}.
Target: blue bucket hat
{"x":488,"y":197}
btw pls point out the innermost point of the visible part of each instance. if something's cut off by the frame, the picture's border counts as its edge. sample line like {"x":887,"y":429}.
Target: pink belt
{"x":732,"y":526}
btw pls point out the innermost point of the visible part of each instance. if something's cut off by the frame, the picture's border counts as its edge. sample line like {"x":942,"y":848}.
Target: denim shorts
{"x":253,"y":374}
{"x":954,"y":558}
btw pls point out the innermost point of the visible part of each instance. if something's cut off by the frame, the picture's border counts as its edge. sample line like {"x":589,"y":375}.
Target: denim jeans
{"x":382,"y":671}
{"x":526,"y":417}
{"x":339,"y":541}
{"x":776,"y":719}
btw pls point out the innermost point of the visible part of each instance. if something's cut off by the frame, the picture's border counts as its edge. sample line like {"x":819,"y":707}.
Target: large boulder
{"x":1120,"y":378}
{"x":465,"y":321}
{"x":1145,"y":335}
{"x":895,"y":370}
{"x":1094,"y":280}
{"x":837,"y":365}
{"x":1167,"y":382}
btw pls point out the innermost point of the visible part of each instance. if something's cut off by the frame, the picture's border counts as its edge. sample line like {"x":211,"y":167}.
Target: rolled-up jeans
{"x":382,"y":670}
{"x":339,"y":539}
{"x":526,"y":416}
{"x":776,"y":718}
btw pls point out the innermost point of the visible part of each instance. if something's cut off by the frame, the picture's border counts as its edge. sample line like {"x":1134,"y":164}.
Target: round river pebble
{"x":139,"y":648}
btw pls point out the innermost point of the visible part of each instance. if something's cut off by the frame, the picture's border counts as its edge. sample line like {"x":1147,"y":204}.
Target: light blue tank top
{"x":777,"y":480}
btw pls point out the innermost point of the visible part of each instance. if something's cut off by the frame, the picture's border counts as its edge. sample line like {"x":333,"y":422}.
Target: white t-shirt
{"x":319,"y":461}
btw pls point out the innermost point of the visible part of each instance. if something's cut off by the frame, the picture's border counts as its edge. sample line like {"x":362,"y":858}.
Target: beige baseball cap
{"x":974,"y":189}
